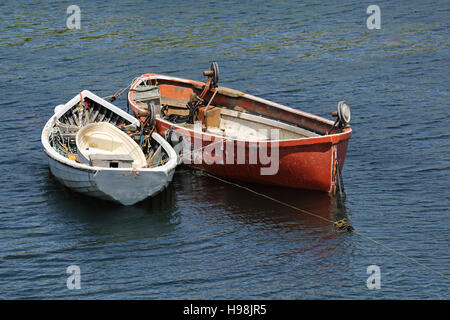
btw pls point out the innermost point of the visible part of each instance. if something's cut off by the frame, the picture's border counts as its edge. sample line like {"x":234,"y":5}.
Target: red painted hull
{"x":306,"y":163}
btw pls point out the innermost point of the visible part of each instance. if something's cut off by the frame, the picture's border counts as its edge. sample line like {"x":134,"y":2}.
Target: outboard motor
{"x":198,"y":101}
{"x":343,"y":116}
{"x":212,"y":74}
{"x":149,"y":98}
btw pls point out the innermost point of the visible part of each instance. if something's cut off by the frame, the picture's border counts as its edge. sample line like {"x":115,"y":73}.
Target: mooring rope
{"x":339,"y":224}
{"x":120,"y":91}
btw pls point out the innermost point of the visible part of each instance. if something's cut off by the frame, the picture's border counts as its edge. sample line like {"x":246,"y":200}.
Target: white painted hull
{"x":121,"y":185}
{"x":126,"y":187}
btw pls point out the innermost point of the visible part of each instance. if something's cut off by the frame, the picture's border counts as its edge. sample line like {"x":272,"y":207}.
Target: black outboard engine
{"x":149,"y":96}
{"x":343,"y":116}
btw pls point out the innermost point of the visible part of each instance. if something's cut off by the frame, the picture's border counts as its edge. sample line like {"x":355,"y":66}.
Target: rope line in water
{"x":336,"y":223}
{"x":341,"y":224}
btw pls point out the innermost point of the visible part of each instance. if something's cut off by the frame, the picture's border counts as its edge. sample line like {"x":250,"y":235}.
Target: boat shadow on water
{"x":58,"y":193}
{"x":315,"y":209}
{"x":194,"y":190}
{"x":108,"y":221}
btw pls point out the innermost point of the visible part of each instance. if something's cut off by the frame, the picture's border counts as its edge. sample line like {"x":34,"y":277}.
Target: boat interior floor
{"x":245,"y":126}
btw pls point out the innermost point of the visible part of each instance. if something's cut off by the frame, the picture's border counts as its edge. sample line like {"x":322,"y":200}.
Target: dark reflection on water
{"x":111,"y":221}
{"x":202,"y":238}
{"x":260,"y":209}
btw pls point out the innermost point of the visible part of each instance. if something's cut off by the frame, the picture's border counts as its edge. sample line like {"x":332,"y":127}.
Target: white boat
{"x":97,"y":149}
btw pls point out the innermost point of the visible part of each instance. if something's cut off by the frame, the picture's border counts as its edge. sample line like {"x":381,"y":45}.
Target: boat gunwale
{"x":333,"y":138}
{"x":88,"y":94}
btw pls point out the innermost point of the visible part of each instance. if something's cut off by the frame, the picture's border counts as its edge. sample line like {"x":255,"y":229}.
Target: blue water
{"x":201,"y":238}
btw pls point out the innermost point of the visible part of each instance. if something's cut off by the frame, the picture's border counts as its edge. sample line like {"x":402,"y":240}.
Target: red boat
{"x":239,"y":136}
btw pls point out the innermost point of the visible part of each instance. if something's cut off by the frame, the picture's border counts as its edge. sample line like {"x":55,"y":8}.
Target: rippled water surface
{"x":205,"y":239}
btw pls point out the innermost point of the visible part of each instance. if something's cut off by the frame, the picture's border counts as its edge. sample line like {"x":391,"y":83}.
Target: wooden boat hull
{"x":306,"y":163}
